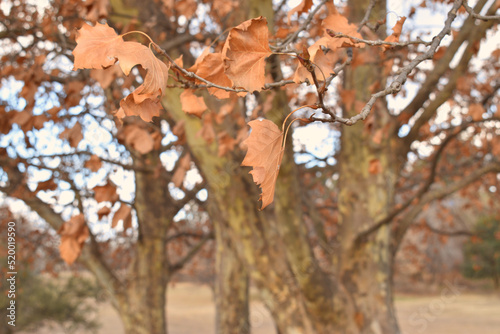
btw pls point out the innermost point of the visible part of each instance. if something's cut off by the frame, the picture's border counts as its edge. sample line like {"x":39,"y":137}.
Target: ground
{"x":191,"y":311}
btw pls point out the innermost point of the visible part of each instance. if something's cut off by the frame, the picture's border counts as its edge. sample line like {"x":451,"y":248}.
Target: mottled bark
{"x":366,"y":194}
{"x":142,"y":303}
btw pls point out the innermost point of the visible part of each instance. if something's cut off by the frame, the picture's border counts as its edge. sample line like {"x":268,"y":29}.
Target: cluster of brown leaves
{"x":100,"y":47}
{"x":73,"y":234}
{"x":239,"y":64}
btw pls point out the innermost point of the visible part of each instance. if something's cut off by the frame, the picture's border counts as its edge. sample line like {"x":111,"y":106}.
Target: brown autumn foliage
{"x":109,"y":104}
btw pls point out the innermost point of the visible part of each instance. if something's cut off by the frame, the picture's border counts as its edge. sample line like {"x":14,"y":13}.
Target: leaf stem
{"x":286,"y":133}
{"x":292,"y":112}
{"x":138,"y":32}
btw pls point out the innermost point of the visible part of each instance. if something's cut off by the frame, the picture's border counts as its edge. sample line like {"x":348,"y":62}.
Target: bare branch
{"x":363,"y":22}
{"x":440,"y":193}
{"x":378,"y":42}
{"x":445,"y":93}
{"x":185,"y":234}
{"x":192,"y":252}
{"x":61,"y":155}
{"x":192,"y":75}
{"x":398,"y":82}
{"x":420,"y":193}
{"x":290,"y":39}
{"x":442,"y":65}
{"x":458,"y":233}
{"x":479,"y":16}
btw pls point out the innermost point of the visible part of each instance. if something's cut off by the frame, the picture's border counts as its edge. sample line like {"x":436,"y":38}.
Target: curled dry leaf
{"x":73,"y":135}
{"x":211,"y":68}
{"x":73,"y":234}
{"x":123,"y":213}
{"x":183,"y":165}
{"x":100,"y":47}
{"x":325,"y":62}
{"x":46,"y":185}
{"x":337,"y":23}
{"x":147,"y":109}
{"x":302,"y":7}
{"x":105,"y":193}
{"x":94,"y":163}
{"x":396,"y":32}
{"x":103,"y":212}
{"x":245,"y":51}
{"x":265,"y":152}
{"x":192,"y":104}
{"x":131,"y":54}
{"x":137,"y":138}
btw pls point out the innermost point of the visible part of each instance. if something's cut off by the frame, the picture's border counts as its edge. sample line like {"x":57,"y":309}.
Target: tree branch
{"x":363,"y":22}
{"x":479,"y":16}
{"x":458,"y":233}
{"x":378,"y":42}
{"x":439,"y":194}
{"x":90,"y":256}
{"x":442,"y":65}
{"x":192,"y":252}
{"x":444,"y":94}
{"x":399,"y":81}
{"x":420,"y":193}
{"x":291,"y":38}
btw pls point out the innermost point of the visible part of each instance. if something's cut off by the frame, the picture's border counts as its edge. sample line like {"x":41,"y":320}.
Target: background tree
{"x":47,"y":299}
{"x":482,"y":251}
{"x":321,"y":252}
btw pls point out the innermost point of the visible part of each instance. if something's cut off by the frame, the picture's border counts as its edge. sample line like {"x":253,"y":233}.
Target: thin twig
{"x":371,"y":5}
{"x":291,"y":38}
{"x":192,"y":75}
{"x":377,"y":42}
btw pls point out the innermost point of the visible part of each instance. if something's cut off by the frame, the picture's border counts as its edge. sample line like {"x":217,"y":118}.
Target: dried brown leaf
{"x":264,"y":154}
{"x":302,"y":7}
{"x":95,"y":46}
{"x":396,"y":32}
{"x":73,"y":135}
{"x":245,"y":51}
{"x":123,"y":213}
{"x":339,"y":24}
{"x":147,"y":109}
{"x":182,"y":167}
{"x":73,"y":233}
{"x":103,"y":212}
{"x":211,"y":68}
{"x":105,"y":193}
{"x":192,"y":104}
{"x":46,"y":185}
{"x":137,"y":138}
{"x":94,"y":163}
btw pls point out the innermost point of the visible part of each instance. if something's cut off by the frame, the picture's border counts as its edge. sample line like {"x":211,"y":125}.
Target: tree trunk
{"x":142,"y":303}
{"x":232,"y":281}
{"x":368,"y":171}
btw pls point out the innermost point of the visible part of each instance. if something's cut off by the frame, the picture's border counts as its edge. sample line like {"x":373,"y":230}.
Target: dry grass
{"x":191,"y":311}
